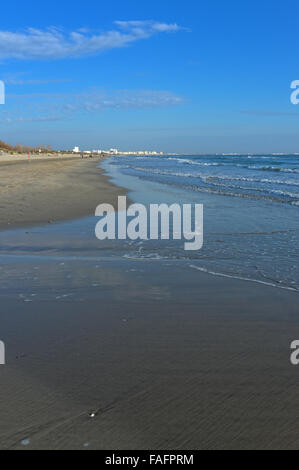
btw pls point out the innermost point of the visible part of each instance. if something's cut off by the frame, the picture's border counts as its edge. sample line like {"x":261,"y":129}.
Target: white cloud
{"x":147,"y":27}
{"x":125,"y":99}
{"x":55,"y":106}
{"x":18,"y":81}
{"x":54,"y":43}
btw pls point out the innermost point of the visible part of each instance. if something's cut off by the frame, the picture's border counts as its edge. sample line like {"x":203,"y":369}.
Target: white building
{"x":76,"y":150}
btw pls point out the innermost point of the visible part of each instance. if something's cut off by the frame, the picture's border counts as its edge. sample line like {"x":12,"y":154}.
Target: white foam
{"x":240,"y":278}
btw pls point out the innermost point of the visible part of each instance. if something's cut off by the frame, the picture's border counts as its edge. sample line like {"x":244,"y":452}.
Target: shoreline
{"x":51,"y":189}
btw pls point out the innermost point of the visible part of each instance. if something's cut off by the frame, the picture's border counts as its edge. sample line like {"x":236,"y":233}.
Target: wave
{"x":246,"y":188}
{"x":212,"y":180}
{"x":252,"y":180}
{"x":274,"y":168}
{"x":283,"y":189}
{"x":240,"y":278}
{"x":224,"y":192}
{"x":195,"y":162}
{"x":239,"y":165}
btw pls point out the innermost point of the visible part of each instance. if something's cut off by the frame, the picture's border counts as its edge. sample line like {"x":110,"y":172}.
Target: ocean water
{"x":251,"y":211}
{"x":266,"y":177}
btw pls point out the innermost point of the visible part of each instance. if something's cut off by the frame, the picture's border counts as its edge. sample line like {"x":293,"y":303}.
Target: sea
{"x":251,"y":211}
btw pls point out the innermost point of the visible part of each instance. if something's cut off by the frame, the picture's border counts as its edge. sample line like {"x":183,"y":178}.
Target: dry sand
{"x":47,"y":189}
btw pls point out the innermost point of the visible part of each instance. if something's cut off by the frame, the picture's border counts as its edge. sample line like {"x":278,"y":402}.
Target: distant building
{"x":113,"y":151}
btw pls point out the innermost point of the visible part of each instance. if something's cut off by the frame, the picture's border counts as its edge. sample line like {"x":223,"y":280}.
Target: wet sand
{"x":163,"y":364}
{"x":49,"y":189}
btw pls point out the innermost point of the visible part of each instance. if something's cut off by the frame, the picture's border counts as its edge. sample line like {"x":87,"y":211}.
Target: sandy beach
{"x":107,"y":352}
{"x":51,"y":188}
{"x":157,"y":371}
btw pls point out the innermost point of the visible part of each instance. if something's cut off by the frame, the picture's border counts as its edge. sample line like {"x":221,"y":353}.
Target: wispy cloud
{"x":54,"y":43}
{"x":147,"y":27}
{"x":254,"y":112}
{"x":16,"y":81}
{"x":22,"y":78}
{"x":124,"y":99}
{"x":55,"y":106}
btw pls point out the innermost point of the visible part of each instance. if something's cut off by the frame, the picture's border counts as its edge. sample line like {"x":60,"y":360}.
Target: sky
{"x":172,"y":76}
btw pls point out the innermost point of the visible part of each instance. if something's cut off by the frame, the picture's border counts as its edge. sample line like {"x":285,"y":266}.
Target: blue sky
{"x":193,"y":76}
